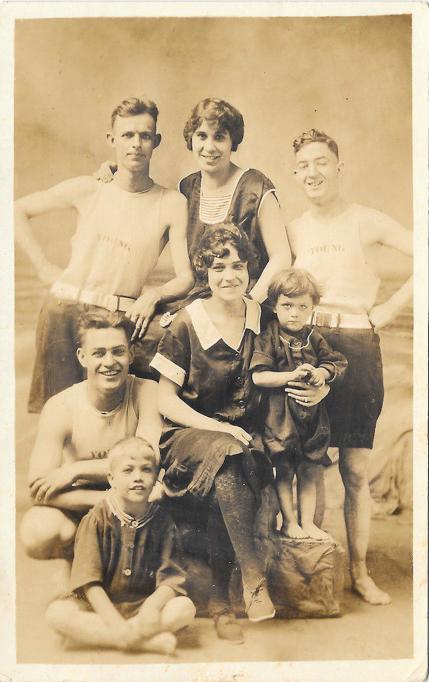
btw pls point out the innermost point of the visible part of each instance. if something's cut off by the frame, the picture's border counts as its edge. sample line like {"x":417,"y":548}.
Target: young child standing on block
{"x":127,"y":580}
{"x":296,"y":432}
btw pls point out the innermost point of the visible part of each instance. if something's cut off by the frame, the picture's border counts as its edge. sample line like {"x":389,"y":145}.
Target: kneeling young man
{"x":77,"y":428}
{"x":126,"y":565}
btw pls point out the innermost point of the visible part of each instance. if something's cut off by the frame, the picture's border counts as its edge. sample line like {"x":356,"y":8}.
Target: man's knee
{"x":354,"y":464}
{"x":45,"y":531}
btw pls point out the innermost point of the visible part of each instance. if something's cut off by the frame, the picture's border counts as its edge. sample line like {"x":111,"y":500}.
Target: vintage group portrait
{"x":219,"y":455}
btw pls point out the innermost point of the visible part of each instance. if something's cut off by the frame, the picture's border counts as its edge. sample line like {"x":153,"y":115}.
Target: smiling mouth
{"x":315,"y":184}
{"x":111,"y":373}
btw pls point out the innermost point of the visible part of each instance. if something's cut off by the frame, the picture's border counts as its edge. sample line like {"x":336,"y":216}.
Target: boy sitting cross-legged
{"x":126,"y":576}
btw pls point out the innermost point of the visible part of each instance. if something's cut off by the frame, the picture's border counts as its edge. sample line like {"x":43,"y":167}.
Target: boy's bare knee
{"x":187,"y":607}
{"x":59,"y":613}
{"x":179,"y":612}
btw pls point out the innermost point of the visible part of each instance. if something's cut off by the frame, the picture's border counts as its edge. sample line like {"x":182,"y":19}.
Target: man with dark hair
{"x":77,"y":428}
{"x":122,"y":228}
{"x":328,"y":241}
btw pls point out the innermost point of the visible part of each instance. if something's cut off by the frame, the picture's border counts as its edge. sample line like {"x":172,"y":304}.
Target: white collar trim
{"x":206,"y":331}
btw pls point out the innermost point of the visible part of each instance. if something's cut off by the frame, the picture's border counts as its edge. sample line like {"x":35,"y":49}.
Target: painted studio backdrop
{"x":348,"y":76}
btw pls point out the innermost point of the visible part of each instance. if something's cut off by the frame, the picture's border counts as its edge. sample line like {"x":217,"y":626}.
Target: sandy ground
{"x":362,"y":632}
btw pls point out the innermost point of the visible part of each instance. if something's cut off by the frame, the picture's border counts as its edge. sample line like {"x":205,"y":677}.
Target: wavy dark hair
{"x":217,"y":111}
{"x":315,"y":135}
{"x":103,"y":319}
{"x":215,"y":243}
{"x":293,"y":282}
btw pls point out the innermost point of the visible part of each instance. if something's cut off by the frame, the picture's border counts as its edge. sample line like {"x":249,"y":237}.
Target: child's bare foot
{"x":293,"y":530}
{"x":163,"y":643}
{"x":314,"y":532}
{"x":366,"y":588}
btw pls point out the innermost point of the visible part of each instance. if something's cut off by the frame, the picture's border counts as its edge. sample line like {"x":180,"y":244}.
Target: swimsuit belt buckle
{"x":321,"y":319}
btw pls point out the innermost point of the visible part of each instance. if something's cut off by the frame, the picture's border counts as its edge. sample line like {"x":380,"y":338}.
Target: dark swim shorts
{"x":355,"y":400}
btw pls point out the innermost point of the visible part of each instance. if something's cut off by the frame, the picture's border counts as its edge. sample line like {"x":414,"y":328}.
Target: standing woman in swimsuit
{"x":222,"y":191}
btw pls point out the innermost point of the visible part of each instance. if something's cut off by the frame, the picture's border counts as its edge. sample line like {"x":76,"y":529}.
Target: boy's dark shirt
{"x":129,"y":562}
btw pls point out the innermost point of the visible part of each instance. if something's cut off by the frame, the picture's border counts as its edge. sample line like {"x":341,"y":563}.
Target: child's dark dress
{"x":215,"y":381}
{"x":292,"y":430}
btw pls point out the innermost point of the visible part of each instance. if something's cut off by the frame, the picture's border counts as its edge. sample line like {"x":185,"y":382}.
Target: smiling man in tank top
{"x":122,"y":227}
{"x":328,"y":241}
{"x":77,"y":427}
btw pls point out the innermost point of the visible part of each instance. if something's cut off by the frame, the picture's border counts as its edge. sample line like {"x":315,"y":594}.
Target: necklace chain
{"x":300,"y":347}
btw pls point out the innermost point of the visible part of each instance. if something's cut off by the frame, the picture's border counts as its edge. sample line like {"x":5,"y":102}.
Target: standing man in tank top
{"x":122,"y":228}
{"x":328,"y":241}
{"x":77,"y":427}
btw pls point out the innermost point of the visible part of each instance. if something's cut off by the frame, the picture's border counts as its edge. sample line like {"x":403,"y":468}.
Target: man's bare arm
{"x":388,"y":232}
{"x":174,"y":216}
{"x":52,"y":432}
{"x":150,"y":422}
{"x":65,"y":195}
{"x":177,"y":218}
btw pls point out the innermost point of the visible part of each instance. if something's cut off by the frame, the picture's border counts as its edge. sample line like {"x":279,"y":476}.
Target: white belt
{"x":111,"y":302}
{"x":342,"y":320}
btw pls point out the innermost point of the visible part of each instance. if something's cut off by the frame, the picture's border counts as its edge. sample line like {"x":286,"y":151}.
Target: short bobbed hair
{"x":315,"y":135}
{"x":218,"y":111}
{"x":134,"y":106}
{"x":293,"y":282}
{"x":136,"y":446}
{"x":103,"y":319}
{"x":216,"y":242}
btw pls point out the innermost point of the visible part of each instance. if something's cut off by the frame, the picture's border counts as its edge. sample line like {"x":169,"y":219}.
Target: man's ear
{"x":110,"y":478}
{"x":81,"y":356}
{"x":158,"y":139}
{"x":110,"y":139}
{"x":340,"y":167}
{"x":132,"y":352}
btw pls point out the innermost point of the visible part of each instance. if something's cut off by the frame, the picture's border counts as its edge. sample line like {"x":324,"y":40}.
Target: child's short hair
{"x":134,"y":445}
{"x":293,"y":282}
{"x":103,"y":319}
{"x":214,"y":244}
{"x":217,"y":111}
{"x":315,"y":135}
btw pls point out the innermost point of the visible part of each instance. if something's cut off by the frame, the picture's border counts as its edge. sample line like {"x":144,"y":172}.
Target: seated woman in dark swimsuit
{"x":207,"y":399}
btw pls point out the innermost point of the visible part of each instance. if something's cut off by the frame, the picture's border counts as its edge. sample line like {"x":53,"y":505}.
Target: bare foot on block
{"x":314,"y":532}
{"x":366,"y":588}
{"x":293,"y":531}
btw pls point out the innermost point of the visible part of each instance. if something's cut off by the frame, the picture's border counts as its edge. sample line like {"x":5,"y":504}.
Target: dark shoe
{"x":227,"y":627}
{"x":258,"y":603}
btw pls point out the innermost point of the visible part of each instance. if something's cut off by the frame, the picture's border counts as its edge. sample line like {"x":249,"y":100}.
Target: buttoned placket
{"x":238,"y":381}
{"x":129,"y":542}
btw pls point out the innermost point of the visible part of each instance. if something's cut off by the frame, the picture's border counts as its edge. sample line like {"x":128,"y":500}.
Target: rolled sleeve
{"x":173,"y":355}
{"x":263,"y":357}
{"x":168,"y":369}
{"x":87,"y":565}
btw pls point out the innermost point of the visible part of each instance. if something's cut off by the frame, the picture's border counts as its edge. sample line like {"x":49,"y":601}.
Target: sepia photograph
{"x":219,"y":440}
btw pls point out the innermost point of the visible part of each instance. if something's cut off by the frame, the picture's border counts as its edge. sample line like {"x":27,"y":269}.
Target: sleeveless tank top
{"x":117,"y":242}
{"x":249,"y":192}
{"x":94,"y":432}
{"x":332,"y":252}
